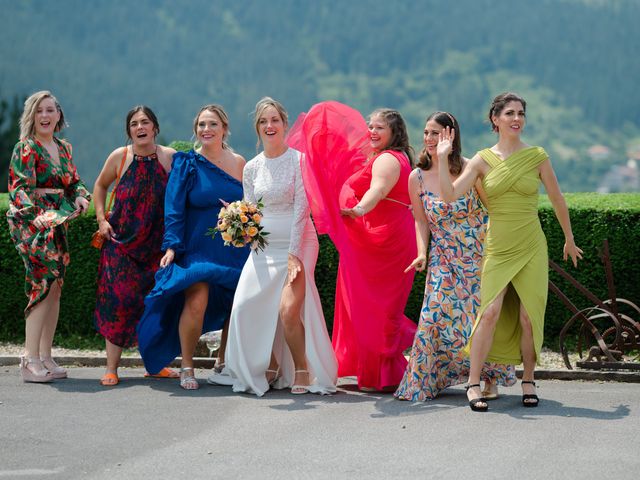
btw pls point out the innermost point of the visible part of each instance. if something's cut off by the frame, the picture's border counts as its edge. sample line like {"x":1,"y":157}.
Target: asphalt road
{"x":151,"y":429}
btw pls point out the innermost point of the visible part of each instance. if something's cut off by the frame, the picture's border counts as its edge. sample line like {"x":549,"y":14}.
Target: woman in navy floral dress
{"x":133,"y":234}
{"x":45,"y":192}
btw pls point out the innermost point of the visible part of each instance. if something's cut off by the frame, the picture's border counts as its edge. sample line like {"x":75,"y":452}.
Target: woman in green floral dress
{"x":45,"y":192}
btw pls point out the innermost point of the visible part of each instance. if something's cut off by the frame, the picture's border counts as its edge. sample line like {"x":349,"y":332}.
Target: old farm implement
{"x":608,"y":332}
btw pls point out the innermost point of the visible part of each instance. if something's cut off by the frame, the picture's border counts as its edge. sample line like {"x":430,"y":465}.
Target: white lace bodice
{"x":278,"y":182}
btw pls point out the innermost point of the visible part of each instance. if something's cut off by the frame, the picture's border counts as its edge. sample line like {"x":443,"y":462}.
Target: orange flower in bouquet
{"x":239,"y":225}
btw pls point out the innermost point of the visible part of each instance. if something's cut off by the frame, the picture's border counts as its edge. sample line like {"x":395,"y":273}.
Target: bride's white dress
{"x":255,"y":330}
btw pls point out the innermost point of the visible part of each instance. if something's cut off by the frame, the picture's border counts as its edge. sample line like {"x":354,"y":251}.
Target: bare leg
{"x":114,"y":352}
{"x":223,"y":343}
{"x":528,"y":352}
{"x":290,"y":315}
{"x":36,"y":322}
{"x":481,"y":344}
{"x":190,"y":329}
{"x":273,"y":372}
{"x":191,"y":320}
{"x":52,"y":302}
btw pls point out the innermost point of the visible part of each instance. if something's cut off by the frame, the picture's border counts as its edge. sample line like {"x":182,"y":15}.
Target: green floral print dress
{"x":39,"y":186}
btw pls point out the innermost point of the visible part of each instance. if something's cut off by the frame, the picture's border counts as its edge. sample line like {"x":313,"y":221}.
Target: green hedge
{"x":594,"y":217}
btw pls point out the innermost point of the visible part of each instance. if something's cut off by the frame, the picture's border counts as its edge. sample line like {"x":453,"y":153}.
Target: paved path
{"x":151,"y":429}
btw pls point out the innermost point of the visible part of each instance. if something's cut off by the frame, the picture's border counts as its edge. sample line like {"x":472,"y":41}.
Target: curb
{"x":101,"y":361}
{"x":206,"y":363}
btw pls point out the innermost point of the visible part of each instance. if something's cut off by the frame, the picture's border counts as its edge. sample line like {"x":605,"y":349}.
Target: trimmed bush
{"x":594,"y":217}
{"x":181,"y":145}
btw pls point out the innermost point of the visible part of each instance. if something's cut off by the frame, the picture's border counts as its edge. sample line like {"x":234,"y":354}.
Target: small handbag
{"x":97,"y":239}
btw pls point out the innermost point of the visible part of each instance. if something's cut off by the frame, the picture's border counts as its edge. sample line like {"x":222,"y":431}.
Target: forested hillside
{"x":574,"y":61}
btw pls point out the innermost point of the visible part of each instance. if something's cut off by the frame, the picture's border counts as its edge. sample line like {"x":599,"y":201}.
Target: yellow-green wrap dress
{"x":515,"y":252}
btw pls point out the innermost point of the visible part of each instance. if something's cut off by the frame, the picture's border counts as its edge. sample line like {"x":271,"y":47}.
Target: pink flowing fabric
{"x":370,"y":330}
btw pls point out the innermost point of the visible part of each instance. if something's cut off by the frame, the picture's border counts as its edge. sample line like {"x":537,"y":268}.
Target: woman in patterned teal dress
{"x":45,"y":192}
{"x":457,"y":232}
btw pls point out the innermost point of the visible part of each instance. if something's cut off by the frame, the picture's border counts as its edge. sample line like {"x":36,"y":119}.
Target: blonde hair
{"x":224,"y":118}
{"x":28,"y":118}
{"x":261,"y":106}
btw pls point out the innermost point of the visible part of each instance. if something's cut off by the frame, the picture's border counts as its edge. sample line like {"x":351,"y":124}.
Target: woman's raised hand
{"x":445,"y":142}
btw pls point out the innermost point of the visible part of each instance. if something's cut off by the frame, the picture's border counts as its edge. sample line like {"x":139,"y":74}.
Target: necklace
{"x":218,"y":160}
{"x":155,"y":152}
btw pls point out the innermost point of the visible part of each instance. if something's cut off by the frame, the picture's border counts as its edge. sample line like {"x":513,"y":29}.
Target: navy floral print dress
{"x":129,"y":262}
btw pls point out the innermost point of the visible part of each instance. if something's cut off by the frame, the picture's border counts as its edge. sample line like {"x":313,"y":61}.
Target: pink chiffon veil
{"x":334,"y":141}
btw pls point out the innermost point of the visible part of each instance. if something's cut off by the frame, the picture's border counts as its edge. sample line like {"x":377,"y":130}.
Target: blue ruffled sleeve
{"x":180,"y":183}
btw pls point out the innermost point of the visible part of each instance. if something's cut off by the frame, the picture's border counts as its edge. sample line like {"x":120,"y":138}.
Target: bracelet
{"x":359,"y":210}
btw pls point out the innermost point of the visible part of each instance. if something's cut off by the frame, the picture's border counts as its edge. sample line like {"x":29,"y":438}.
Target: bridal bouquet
{"x":239,"y":225}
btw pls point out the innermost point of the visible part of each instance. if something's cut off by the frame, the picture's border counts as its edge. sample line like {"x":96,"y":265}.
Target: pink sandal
{"x":41,"y":375}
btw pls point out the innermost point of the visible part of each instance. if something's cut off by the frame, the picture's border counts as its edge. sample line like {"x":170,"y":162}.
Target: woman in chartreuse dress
{"x":510,"y":322}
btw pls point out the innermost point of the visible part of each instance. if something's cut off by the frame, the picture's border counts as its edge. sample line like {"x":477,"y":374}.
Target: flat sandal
{"x":188,"y":382}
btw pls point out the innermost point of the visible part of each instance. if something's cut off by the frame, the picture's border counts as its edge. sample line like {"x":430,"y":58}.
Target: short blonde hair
{"x":28,"y":118}
{"x":261,"y":106}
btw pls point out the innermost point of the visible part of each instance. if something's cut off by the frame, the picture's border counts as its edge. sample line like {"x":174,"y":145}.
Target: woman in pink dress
{"x":356,"y":177}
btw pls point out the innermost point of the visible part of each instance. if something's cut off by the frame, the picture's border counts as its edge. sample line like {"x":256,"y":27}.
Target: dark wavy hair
{"x":444,"y":119}
{"x":150,"y":115}
{"x":500,"y":101}
{"x":399,"y":136}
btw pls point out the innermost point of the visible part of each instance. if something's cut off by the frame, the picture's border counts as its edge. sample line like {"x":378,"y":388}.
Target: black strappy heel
{"x":473,"y":404}
{"x":527,"y":397}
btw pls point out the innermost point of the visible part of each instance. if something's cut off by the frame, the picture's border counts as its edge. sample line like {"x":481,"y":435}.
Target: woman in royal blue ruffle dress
{"x":198,"y":183}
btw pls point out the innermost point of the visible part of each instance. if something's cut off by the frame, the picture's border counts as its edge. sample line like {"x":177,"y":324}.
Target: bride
{"x":278,"y":337}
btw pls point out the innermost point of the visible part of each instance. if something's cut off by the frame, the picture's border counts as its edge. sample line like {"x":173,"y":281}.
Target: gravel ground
{"x":549,"y":358}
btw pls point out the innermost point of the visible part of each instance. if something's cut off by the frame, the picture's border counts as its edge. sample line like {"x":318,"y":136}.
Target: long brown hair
{"x":399,"y":136}
{"x":444,"y":119}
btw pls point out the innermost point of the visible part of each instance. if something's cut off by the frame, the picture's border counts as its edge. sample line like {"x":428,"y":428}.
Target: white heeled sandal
{"x":275,"y":378}
{"x":300,"y":389}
